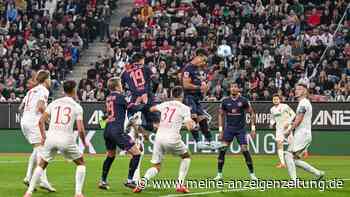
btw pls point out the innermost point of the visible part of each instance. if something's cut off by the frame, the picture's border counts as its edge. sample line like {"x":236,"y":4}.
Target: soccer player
{"x":33,"y":105}
{"x":302,"y":135}
{"x":282,"y":116}
{"x":114,"y":134}
{"x":62,"y":113}
{"x":168,"y":139}
{"x":194,"y":79}
{"x":138,"y":79}
{"x":233,"y":111}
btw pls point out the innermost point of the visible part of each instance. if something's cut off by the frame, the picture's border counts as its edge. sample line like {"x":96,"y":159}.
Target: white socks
{"x":151,"y":172}
{"x":137,"y":171}
{"x":184,"y":166}
{"x":290,"y":165}
{"x":79,"y":179}
{"x":43,"y":178}
{"x":307,"y":167}
{"x":35,"y":178}
{"x":280,"y":153}
{"x":31,"y":165}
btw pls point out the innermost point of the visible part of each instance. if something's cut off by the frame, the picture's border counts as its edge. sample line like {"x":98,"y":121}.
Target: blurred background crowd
{"x":266,"y":46}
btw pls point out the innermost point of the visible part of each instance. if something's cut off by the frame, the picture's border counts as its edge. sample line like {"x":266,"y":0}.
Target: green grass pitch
{"x":61,"y":174}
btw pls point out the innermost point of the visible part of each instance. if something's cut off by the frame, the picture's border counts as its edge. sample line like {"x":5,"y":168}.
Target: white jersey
{"x":282,"y":114}
{"x":64,"y":112}
{"x":305,"y":107}
{"x":173,"y":115}
{"x":30,"y":113}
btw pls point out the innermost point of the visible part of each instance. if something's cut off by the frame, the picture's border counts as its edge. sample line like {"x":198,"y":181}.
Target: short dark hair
{"x":276,"y":95}
{"x":69,"y":86}
{"x":42,"y":75}
{"x":136,"y":57}
{"x":201,"y":52}
{"x":113,"y":83}
{"x":177,"y":92}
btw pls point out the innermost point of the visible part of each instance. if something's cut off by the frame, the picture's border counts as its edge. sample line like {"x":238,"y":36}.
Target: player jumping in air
{"x":233,"y":111}
{"x":139,"y":80}
{"x":62,"y":113}
{"x":302,"y":135}
{"x":33,"y":105}
{"x":114,"y":134}
{"x":282,"y":116}
{"x":194,"y":79}
{"x":168,"y":139}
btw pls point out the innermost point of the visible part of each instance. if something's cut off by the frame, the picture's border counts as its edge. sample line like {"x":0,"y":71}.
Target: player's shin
{"x":106,"y":167}
{"x":35,"y":179}
{"x":307,"y":167}
{"x":137,"y":173}
{"x":184,"y":166}
{"x":203,"y":124}
{"x":79,"y":179}
{"x":221,"y":160}
{"x":248,"y":161}
{"x":290,"y":165}
{"x":134,"y":162}
{"x":280,"y":153}
{"x":31,"y":165}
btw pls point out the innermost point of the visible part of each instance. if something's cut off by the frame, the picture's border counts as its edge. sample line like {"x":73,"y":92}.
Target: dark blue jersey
{"x":197,"y":76}
{"x":234,"y":110}
{"x":116,"y":108}
{"x":137,"y":78}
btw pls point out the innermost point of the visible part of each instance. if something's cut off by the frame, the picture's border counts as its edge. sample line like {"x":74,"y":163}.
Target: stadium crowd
{"x":265,"y":45}
{"x":46,"y":34}
{"x":268,"y":45}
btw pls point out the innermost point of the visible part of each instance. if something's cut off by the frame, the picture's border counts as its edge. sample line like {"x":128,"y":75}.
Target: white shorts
{"x":301,"y":141}
{"x":31,"y":132}
{"x":67,"y":148}
{"x":161,"y":147}
{"x":280,"y":135}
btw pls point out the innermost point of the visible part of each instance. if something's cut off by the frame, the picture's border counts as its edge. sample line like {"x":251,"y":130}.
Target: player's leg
{"x":226,"y":141}
{"x":183,"y":170}
{"x":110,"y":156}
{"x":280,"y":151}
{"x":242,"y":140}
{"x":157,"y":157}
{"x":79,"y":176}
{"x":304,"y":165}
{"x":46,"y":154}
{"x":39,"y":170}
{"x":32,"y":161}
{"x":133,"y":164}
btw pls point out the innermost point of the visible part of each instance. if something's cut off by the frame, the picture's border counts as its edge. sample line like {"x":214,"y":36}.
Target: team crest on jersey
{"x":239,"y":104}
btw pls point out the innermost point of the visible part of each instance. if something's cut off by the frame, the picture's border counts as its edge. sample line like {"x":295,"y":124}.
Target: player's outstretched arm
{"x":154,"y":109}
{"x":41,"y":125}
{"x":190,"y":124}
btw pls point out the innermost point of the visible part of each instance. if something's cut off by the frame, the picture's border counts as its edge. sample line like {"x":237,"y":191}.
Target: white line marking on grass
{"x":211,"y":192}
